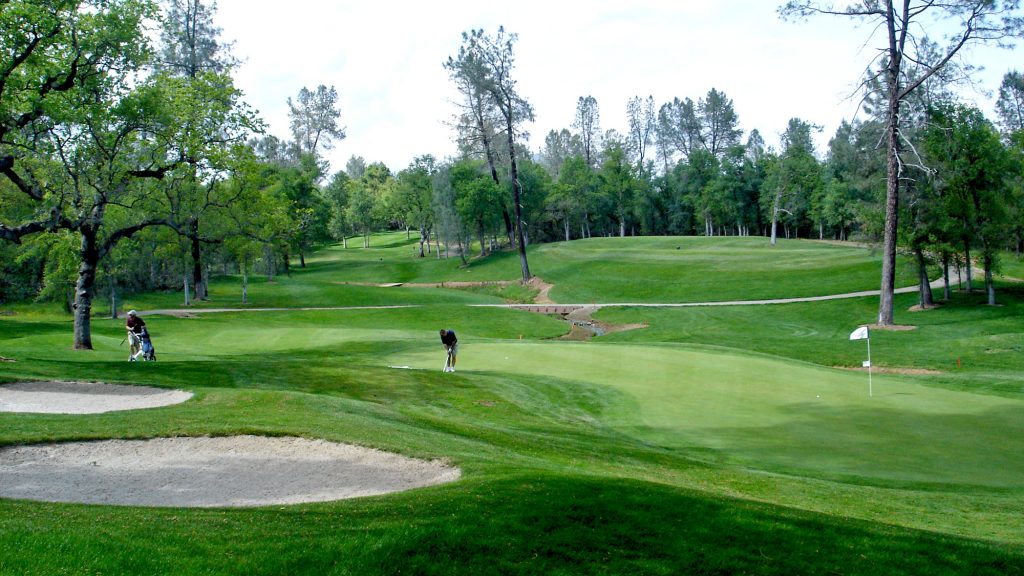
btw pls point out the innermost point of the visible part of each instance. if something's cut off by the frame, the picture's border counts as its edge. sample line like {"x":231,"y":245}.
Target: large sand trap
{"x":203,"y":472}
{"x":83,"y":397}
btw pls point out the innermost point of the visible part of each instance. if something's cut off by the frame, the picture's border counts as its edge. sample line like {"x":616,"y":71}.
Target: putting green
{"x":777,"y":415}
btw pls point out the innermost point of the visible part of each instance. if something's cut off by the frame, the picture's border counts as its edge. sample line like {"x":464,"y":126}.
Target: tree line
{"x":130,"y":164}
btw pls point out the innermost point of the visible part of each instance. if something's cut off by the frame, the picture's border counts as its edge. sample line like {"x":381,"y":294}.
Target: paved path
{"x":566,"y":308}
{"x":553,"y":308}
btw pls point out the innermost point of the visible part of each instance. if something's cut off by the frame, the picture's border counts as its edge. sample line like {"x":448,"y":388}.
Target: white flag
{"x":859,"y":334}
{"x":866,"y":364}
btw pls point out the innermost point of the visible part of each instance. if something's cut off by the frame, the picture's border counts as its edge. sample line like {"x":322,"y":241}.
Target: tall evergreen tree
{"x":191,"y":48}
{"x":1010,"y":105}
{"x":497,"y":57}
{"x":587,"y":124}
{"x":313,"y":118}
{"x":903,"y":25}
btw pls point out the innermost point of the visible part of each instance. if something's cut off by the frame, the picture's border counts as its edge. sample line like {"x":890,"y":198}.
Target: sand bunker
{"x":83,"y":397}
{"x":205,"y":472}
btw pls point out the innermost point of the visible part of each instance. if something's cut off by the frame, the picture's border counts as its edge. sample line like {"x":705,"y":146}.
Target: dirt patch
{"x":583,"y":327}
{"x":919,"y":308}
{"x":544,"y":294}
{"x":205,"y":472}
{"x":892,"y":328}
{"x":83,"y":397}
{"x":174,"y":313}
{"x":889,"y":370}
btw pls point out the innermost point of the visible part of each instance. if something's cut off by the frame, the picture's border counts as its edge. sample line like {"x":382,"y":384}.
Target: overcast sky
{"x":385,"y":57}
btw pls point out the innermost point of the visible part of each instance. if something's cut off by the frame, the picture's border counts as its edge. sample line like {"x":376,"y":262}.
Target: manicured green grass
{"x":788,"y":417}
{"x":1011,"y":265}
{"x":529,"y":524}
{"x":695,"y":269}
{"x":970,"y":346}
{"x":686,"y":269}
{"x":717,"y":440}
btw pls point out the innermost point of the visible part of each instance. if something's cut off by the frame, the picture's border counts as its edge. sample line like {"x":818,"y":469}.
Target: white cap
{"x":131,"y":313}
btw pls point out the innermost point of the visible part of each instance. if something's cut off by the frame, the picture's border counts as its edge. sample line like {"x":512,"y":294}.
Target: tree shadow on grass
{"x":524,"y":524}
{"x":587,"y":526}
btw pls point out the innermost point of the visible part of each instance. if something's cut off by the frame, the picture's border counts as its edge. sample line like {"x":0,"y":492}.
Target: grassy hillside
{"x":678,"y":269}
{"x":716,"y":440}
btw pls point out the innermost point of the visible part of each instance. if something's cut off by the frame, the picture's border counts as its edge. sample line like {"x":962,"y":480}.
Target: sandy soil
{"x":208,"y":472}
{"x":892,"y":370}
{"x":83,"y":397}
{"x":583,"y":327}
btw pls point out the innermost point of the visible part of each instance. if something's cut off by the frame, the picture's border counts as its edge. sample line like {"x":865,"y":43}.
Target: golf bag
{"x":148,"y":352}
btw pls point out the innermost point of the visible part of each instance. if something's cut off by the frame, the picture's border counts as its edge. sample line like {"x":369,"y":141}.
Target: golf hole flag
{"x":862,"y":334}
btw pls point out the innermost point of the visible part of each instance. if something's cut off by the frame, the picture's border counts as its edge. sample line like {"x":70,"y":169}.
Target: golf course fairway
{"x":707,"y":440}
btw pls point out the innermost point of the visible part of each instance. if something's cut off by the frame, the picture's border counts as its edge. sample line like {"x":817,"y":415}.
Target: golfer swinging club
{"x":451,"y":344}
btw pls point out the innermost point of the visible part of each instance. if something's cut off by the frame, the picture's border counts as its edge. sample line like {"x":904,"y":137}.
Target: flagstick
{"x":869,"y":369}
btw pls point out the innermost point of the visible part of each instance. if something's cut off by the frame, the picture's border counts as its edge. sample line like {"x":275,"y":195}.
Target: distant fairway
{"x":783,"y":416}
{"x":704,"y":269}
{"x":641,"y":269}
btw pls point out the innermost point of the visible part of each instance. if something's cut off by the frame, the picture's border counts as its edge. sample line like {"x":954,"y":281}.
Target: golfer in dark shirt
{"x":135,"y":325}
{"x":451,"y":345}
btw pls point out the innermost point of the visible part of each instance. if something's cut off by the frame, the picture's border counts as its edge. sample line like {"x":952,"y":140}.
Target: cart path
{"x":553,"y":307}
{"x":566,"y":308}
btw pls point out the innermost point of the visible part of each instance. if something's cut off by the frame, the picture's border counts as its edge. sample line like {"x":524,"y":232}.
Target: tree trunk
{"x":516,"y":202}
{"x":423,"y":238}
{"x":245,"y":281}
{"x":88,"y":260}
{"x":892,"y":194}
{"x":967,"y":264}
{"x":185,"y":285}
{"x":480,"y":237}
{"x":302,"y":258}
{"x":990,"y":287}
{"x":622,"y":226}
{"x":924,"y":286}
{"x":113,"y":297}
{"x":566,"y":226}
{"x":508,"y":225}
{"x":775,"y":218}
{"x":945,"y":276}
{"x":268,"y":256}
{"x":197,"y":260}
